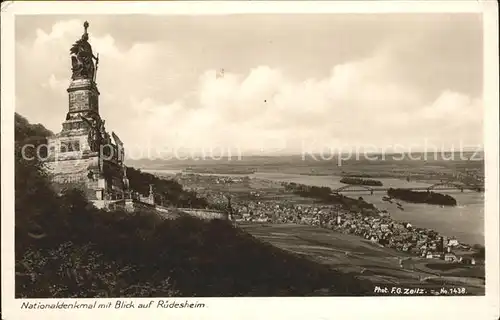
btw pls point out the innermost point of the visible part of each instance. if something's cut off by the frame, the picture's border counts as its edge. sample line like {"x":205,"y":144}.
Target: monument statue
{"x":82,"y":58}
{"x":97,"y":168}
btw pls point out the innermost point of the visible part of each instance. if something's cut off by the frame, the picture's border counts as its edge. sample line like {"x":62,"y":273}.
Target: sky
{"x":291,"y":84}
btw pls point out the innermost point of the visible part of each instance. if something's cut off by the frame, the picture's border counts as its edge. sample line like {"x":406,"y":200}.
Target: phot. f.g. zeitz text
{"x":399,"y":291}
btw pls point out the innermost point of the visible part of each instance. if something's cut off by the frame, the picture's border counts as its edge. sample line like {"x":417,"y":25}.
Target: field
{"x":348,"y":254}
{"x":424,"y":166}
{"x":353,"y":255}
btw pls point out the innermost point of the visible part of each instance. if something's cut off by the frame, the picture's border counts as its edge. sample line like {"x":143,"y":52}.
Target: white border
{"x":263,"y":308}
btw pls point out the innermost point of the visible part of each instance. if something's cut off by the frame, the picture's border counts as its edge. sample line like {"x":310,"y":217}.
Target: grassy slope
{"x":353,"y":255}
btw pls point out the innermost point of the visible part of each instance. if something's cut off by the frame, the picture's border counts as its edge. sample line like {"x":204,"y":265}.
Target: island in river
{"x":361,"y":182}
{"x":428,"y":197}
{"x":201,"y":170}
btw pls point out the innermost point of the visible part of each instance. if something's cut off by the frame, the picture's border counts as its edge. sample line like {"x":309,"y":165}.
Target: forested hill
{"x":167,"y":192}
{"x":66,"y":248}
{"x":24,"y":131}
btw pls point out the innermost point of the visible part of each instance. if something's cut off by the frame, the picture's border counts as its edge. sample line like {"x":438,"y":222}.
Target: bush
{"x":79,"y":271}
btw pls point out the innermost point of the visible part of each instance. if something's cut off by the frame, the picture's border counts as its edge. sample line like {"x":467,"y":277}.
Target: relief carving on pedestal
{"x":78,"y":101}
{"x":97,"y":135}
{"x":94,"y":136}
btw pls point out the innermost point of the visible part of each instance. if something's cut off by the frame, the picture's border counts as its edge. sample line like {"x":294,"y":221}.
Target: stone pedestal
{"x":83,"y":101}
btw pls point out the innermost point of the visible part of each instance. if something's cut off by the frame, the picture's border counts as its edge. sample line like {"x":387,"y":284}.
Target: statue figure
{"x":94,"y":136}
{"x":82,"y":58}
{"x":106,"y":138}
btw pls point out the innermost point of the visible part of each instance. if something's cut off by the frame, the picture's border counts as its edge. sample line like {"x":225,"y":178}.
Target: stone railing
{"x":109,"y":204}
{"x":205,"y":214}
{"x":131,"y":205}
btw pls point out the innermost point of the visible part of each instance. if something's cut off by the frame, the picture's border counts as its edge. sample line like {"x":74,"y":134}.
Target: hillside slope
{"x":67,"y":248}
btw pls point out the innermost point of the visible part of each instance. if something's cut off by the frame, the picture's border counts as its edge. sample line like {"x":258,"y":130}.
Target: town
{"x":374,"y":225}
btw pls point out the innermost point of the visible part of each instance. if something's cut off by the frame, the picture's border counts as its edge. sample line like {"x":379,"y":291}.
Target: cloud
{"x":454,"y":106}
{"x":54,"y":84}
{"x":44,"y":70}
{"x":150,"y":105}
{"x":355,"y":105}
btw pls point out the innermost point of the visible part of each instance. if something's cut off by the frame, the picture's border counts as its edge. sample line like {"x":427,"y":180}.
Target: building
{"x":468,"y":260}
{"x":450,"y":257}
{"x":83,"y":154}
{"x":441,"y":244}
{"x":453,"y":242}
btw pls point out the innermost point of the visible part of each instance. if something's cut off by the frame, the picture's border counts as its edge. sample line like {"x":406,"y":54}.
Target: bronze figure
{"x":82,"y":58}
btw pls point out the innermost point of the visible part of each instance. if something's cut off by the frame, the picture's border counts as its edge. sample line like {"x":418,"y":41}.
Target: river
{"x":465,"y":221}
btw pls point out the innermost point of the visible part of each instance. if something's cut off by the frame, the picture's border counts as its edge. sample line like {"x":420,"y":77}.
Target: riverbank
{"x":356,"y":216}
{"x":465,"y":221}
